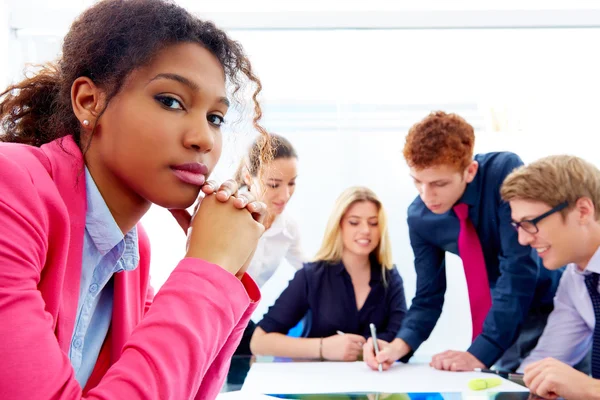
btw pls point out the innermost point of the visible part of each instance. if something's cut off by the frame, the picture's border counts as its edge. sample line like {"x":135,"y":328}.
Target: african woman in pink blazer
{"x":130,"y":116}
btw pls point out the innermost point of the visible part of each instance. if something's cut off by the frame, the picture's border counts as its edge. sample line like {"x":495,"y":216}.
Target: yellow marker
{"x":482,"y":384}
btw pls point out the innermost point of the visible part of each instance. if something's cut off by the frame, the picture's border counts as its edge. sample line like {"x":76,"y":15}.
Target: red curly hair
{"x":440,"y":139}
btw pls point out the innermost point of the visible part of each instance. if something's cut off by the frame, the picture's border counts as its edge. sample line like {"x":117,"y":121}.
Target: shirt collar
{"x":103,"y":229}
{"x":593,"y":265}
{"x":131,"y":254}
{"x":471,"y":194}
{"x":338,"y":266}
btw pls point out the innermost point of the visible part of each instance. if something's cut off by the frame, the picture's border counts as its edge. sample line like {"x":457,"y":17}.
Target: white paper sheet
{"x":339,"y":377}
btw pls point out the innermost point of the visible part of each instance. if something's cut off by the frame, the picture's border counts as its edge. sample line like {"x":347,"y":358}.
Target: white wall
{"x":4,"y":44}
{"x":532,"y":91}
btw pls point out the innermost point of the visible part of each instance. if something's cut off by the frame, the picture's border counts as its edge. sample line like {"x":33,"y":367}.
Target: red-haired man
{"x":459,"y":210}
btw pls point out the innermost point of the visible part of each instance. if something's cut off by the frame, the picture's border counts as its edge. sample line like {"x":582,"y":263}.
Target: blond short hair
{"x":554,"y":180}
{"x":332,"y":245}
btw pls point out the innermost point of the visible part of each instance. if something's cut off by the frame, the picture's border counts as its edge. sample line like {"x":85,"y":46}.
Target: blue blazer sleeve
{"x":515,"y":287}
{"x":290,"y":307}
{"x":426,"y":306}
{"x":396,"y":302}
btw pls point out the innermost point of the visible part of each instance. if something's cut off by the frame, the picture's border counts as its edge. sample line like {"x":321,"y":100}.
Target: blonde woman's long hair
{"x":332,"y":245}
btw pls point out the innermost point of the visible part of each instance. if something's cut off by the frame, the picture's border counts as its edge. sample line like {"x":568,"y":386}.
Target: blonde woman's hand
{"x":346,"y":347}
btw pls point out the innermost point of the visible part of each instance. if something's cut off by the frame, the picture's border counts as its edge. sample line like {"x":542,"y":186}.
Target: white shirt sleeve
{"x":295,"y":256}
{"x":567,"y":337}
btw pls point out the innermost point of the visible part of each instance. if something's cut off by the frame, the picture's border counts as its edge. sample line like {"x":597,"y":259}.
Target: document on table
{"x":357,"y":377}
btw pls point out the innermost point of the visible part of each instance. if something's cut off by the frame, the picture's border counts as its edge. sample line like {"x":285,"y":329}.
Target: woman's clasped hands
{"x":221,"y":218}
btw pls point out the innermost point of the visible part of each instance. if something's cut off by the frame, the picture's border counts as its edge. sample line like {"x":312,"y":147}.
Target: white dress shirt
{"x":570,"y":328}
{"x":281,"y":240}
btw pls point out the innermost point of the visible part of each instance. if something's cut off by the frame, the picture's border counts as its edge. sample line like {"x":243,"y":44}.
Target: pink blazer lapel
{"x":124,"y":318}
{"x":67,"y":169}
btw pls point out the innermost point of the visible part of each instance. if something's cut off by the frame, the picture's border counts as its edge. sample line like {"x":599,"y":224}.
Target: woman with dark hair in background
{"x":274,"y":185}
{"x":129,"y":117}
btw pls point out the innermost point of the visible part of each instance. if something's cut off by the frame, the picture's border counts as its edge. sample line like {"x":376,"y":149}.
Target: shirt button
{"x":93,"y":288}
{"x":77,"y":343}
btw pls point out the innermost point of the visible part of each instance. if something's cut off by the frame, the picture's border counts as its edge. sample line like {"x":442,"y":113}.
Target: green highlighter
{"x":482,"y":384}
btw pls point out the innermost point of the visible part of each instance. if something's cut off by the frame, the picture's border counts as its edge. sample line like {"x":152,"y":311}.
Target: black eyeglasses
{"x":530,"y":226}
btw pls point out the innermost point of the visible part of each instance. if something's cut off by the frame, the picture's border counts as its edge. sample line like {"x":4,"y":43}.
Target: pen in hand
{"x":375,"y":344}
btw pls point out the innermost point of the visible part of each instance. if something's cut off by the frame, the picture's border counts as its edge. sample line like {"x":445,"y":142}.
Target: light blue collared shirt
{"x":105,"y":251}
{"x":570,"y":329}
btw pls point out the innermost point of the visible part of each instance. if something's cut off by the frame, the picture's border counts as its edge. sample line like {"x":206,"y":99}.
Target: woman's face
{"x":360,"y":228}
{"x":160,"y":137}
{"x":278,"y":184}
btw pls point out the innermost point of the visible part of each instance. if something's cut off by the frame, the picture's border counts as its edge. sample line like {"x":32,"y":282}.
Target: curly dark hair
{"x":440,"y":139}
{"x":106,"y":43}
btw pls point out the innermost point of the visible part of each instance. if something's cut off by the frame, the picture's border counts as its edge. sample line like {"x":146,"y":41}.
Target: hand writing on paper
{"x":552,"y":379}
{"x":346,"y":347}
{"x":451,"y":360}
{"x":388,"y":353}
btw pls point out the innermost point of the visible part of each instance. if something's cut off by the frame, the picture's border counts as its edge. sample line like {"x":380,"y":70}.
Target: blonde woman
{"x":351,"y":283}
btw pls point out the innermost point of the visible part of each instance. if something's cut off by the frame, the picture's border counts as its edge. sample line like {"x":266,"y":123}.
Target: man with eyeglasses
{"x":459,"y":210}
{"x":555,"y":205}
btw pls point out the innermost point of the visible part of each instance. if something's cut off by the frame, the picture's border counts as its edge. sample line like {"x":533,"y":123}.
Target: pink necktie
{"x":469,"y":249}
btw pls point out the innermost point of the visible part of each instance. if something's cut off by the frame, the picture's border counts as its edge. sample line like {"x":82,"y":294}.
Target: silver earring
{"x":86,"y":122}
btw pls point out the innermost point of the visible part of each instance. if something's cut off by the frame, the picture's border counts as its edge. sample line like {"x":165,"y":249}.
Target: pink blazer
{"x":175,"y":346}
